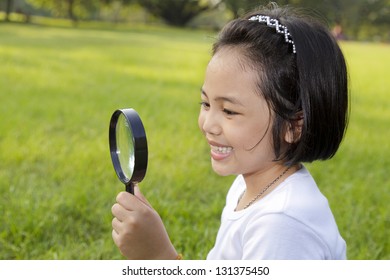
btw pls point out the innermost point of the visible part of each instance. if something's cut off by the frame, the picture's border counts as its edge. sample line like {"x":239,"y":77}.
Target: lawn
{"x":59,"y":87}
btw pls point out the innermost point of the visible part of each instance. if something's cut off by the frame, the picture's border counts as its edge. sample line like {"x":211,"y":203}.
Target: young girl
{"x":275,"y":95}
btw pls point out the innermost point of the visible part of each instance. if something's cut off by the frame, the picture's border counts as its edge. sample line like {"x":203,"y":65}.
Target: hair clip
{"x":280,"y":28}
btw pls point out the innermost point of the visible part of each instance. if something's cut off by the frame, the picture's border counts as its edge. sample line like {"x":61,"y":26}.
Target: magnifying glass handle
{"x":130,"y":187}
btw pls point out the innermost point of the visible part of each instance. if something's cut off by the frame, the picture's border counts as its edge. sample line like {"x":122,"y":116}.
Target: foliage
{"x":352,"y":15}
{"x":359,"y":19}
{"x":73,"y":9}
{"x":176,"y":12}
{"x":57,"y":184}
{"x":240,"y":7}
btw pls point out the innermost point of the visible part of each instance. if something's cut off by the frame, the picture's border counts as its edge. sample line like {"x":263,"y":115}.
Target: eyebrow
{"x":224,"y":98}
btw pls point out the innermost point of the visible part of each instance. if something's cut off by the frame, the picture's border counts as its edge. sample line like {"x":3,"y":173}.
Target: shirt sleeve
{"x":281,"y":237}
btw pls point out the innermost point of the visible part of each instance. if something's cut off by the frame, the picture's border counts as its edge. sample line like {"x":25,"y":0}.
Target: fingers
{"x":126,"y":200}
{"x":116,"y":238}
{"x":137,"y":193}
{"x":138,"y":230}
{"x":119,"y":212}
{"x":116,"y":228}
{"x":127,"y":208}
{"x":132,"y":202}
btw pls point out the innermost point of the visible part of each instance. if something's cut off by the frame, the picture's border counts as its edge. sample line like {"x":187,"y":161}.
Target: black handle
{"x":130,"y":187}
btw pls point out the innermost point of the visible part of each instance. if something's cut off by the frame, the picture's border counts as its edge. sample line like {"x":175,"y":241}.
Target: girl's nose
{"x":209,"y":124}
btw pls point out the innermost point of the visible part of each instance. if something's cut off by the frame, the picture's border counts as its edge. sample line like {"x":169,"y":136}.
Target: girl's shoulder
{"x":237,"y":188}
{"x":296,"y":196}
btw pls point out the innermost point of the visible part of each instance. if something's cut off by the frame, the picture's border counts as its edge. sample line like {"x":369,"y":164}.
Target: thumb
{"x":140,"y":196}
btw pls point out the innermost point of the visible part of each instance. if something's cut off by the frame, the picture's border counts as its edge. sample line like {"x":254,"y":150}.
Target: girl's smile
{"x":219,"y":152}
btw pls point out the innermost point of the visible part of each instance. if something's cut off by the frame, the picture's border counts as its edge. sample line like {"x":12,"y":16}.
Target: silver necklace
{"x":263,"y":190}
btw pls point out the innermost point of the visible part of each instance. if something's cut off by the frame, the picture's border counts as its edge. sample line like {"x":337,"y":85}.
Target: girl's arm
{"x":138,"y":230}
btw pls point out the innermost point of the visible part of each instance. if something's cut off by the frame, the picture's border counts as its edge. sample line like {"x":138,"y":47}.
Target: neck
{"x":257,"y":182}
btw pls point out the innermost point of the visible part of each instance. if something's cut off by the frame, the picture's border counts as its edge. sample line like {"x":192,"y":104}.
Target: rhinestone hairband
{"x":280,"y":28}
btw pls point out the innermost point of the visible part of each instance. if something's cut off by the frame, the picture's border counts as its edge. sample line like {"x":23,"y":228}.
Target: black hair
{"x":306,"y":90}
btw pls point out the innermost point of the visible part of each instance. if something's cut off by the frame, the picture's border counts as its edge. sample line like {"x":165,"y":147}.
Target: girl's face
{"x":235,"y":120}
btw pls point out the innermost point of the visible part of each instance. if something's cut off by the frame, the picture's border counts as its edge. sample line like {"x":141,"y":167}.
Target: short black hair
{"x":310,"y":85}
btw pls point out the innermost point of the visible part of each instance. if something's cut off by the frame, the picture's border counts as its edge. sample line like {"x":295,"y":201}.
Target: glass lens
{"x":125,"y":146}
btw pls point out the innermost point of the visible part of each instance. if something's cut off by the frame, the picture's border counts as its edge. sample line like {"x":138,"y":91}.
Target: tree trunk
{"x":71,"y":13}
{"x":8,"y":8}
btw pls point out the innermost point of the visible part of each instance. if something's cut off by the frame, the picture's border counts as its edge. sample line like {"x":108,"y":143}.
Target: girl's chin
{"x":221,"y":170}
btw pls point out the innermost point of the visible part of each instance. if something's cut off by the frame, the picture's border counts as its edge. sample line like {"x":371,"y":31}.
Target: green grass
{"x":58,"y":89}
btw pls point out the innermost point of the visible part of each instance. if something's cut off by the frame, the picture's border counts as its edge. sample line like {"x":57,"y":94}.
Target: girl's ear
{"x":294,"y":129}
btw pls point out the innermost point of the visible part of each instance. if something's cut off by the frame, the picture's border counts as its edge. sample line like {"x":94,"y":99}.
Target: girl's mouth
{"x":221,"y":150}
{"x":220,"y":153}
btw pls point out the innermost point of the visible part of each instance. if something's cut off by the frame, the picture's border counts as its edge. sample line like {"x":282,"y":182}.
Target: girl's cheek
{"x":200,"y":121}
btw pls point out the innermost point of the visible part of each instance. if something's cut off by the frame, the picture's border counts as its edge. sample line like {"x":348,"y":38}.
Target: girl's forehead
{"x":228,"y":68}
{"x":226,"y":78}
{"x":230,"y":57}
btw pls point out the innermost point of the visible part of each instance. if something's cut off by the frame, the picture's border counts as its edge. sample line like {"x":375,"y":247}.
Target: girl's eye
{"x":204,"y":105}
{"x":229,"y":113}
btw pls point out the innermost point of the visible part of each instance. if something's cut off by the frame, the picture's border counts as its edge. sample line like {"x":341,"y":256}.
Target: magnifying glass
{"x":128,"y":147}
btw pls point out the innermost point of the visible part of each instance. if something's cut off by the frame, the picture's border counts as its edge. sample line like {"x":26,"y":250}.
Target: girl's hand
{"x":138,"y":230}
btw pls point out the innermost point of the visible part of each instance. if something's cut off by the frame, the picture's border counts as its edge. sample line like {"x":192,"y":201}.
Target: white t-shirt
{"x":294,"y":221}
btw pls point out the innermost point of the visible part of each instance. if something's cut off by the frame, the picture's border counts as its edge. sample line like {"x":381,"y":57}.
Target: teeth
{"x":222,"y":150}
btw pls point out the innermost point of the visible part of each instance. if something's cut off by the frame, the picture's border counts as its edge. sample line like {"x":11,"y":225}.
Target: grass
{"x":59,"y":87}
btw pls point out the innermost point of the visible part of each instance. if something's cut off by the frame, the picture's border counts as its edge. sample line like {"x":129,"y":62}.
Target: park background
{"x":65,"y":68}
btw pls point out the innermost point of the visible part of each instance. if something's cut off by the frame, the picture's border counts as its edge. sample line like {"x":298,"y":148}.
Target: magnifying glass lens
{"x":125,"y":146}
{"x":128,"y":147}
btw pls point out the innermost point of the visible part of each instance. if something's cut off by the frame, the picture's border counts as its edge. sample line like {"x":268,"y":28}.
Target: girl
{"x":275,"y":95}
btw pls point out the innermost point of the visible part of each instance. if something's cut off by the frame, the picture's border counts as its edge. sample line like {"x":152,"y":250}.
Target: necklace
{"x":263,"y":190}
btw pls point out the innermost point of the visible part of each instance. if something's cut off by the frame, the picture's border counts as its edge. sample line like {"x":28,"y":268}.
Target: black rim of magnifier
{"x":140,"y":147}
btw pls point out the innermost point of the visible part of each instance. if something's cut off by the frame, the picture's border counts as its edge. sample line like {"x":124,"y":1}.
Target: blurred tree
{"x":352,"y":15}
{"x":377,"y":12}
{"x":357,"y":18}
{"x":115,"y":7}
{"x":73,"y":9}
{"x":240,"y":7}
{"x":349,"y":15}
{"x":177,"y":12}
{"x":8,"y":8}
